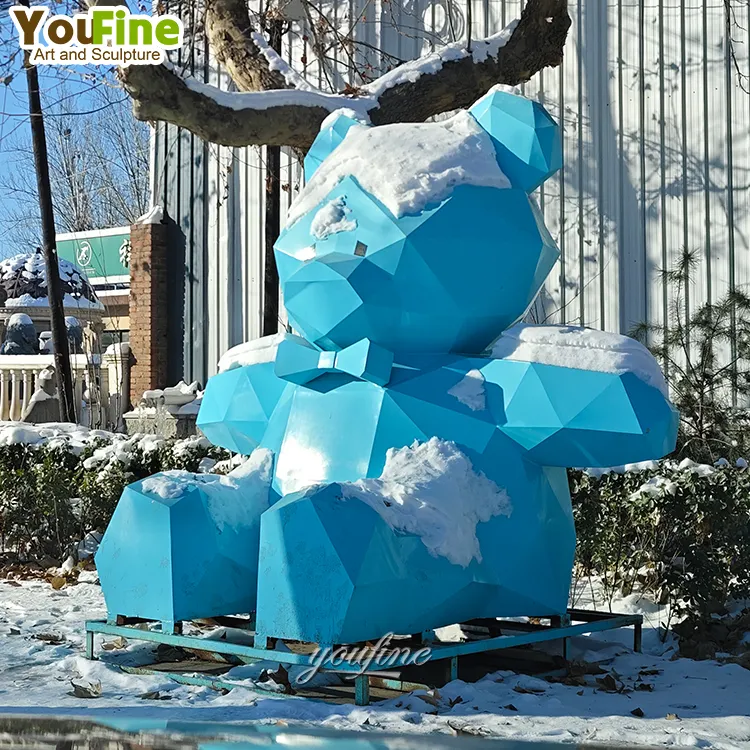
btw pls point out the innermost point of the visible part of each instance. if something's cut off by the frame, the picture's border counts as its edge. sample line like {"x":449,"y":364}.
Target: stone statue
{"x":20,"y":336}
{"x":43,"y":405}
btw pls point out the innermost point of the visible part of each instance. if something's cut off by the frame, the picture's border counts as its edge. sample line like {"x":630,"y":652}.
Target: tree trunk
{"x":54,"y":292}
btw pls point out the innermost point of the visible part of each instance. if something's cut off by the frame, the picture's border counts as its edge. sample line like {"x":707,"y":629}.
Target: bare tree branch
{"x":159,"y":93}
{"x":293,"y":118}
{"x":731,"y":23}
{"x":536,"y":43}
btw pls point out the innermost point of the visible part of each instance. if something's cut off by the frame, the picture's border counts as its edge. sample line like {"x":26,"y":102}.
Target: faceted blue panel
{"x":410,"y":284}
{"x":527,"y":140}
{"x":314,"y":445}
{"x":334,"y":131}
{"x":237,"y":405}
{"x":568,"y":417}
{"x":181,"y":546}
{"x":335,"y":572}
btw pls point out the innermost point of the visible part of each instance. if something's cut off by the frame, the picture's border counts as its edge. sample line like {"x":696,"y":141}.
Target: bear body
{"x":335,"y":429}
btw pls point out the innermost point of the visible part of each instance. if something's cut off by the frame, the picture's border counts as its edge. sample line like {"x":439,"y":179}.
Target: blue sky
{"x":15,"y":129}
{"x":73,"y":86}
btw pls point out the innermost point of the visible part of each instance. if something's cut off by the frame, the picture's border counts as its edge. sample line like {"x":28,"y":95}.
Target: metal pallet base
{"x":484,"y":635}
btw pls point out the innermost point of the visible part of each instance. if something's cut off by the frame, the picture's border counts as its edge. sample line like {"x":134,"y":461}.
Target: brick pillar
{"x":148,"y":308}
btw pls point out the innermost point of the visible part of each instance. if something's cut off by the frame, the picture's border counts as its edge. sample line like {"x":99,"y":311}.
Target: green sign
{"x":104,"y":254}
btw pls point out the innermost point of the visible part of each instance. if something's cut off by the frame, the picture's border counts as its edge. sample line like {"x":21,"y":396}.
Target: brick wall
{"x":148,"y":308}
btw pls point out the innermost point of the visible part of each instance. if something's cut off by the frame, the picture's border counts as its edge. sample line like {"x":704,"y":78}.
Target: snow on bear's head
{"x":421,"y":237}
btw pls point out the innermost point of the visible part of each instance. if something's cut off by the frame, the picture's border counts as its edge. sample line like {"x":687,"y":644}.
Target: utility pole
{"x":54,"y":292}
{"x":272,"y":214}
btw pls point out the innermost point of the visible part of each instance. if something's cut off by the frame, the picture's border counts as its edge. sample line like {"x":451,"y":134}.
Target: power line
{"x":68,"y":114}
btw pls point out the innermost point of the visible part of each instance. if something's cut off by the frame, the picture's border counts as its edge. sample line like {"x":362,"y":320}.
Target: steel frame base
{"x":561,"y":627}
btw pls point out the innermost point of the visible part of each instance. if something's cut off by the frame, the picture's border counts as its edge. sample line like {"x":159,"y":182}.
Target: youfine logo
{"x":102,"y":36}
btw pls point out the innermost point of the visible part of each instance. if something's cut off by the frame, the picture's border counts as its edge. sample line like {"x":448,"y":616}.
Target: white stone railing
{"x":99,"y":386}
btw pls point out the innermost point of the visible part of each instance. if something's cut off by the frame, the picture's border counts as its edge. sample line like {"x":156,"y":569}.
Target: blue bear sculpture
{"x":420,"y":435}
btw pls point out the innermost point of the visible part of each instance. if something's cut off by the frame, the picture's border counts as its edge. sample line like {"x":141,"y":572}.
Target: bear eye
{"x":360,"y":249}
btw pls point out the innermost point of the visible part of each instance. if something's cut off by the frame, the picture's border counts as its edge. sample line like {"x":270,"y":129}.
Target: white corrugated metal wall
{"x":657,"y":159}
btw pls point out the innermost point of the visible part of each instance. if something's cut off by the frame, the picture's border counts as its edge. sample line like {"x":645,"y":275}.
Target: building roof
{"x":24,"y":279}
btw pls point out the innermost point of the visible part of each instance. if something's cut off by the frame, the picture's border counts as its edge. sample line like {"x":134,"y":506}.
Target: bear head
{"x":421,"y":237}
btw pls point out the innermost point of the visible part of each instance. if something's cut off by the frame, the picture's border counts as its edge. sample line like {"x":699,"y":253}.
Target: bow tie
{"x":300,"y":362}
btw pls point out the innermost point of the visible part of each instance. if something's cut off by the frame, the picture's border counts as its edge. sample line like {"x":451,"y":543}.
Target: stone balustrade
{"x":99,"y":383}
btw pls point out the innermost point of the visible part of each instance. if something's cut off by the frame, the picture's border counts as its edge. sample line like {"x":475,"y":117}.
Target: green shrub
{"x":55,"y":492}
{"x":679,"y":532}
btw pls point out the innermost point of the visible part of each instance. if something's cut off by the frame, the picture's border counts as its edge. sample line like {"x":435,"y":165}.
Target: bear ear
{"x":526,"y":139}
{"x":332,"y":133}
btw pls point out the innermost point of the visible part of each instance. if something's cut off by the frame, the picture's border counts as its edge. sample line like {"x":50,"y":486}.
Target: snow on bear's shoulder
{"x":255,"y":352}
{"x":407,"y":166}
{"x":580,"y":348}
{"x":230,"y":499}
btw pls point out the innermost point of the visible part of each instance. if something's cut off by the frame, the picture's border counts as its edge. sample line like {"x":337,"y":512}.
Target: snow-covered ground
{"x":692,"y":704}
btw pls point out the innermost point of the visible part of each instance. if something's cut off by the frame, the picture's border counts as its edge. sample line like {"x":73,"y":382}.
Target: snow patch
{"x":255,"y":352}
{"x":155,"y":215}
{"x":195,"y":442}
{"x":120,"y":450}
{"x":506,"y":89}
{"x":489,"y":47}
{"x":305,"y":253}
{"x":640,"y":466}
{"x":352,"y":114}
{"x":412,"y":71}
{"x":261,"y":100}
{"x":656,"y":487}
{"x":407,"y":167}
{"x":277,"y":63}
{"x":470,"y":391}
{"x":24,"y":277}
{"x":582,"y":349}
{"x":701,"y":470}
{"x":169,"y":485}
{"x":332,"y":219}
{"x":174,"y":395}
{"x":249,"y":484}
{"x":431,"y":490}
{"x":117,"y":450}
{"x":71,"y":437}
{"x":26,"y":300}
{"x":183,"y":389}
{"x":20,"y":319}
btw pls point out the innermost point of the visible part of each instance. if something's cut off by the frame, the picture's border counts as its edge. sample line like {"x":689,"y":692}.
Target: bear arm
{"x":580,"y":418}
{"x":237,"y":406}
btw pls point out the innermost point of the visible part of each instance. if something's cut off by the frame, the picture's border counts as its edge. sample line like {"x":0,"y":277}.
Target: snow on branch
{"x":277,"y":107}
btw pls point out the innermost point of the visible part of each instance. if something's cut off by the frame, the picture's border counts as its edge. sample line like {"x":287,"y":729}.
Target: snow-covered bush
{"x":677,"y":531}
{"x":59,"y":482}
